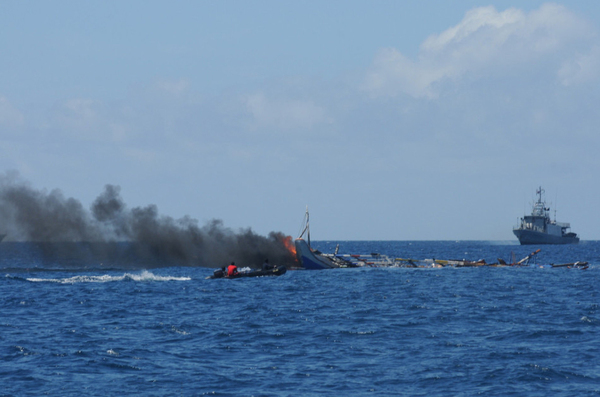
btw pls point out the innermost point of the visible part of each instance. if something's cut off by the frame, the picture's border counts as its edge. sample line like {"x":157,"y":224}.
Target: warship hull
{"x":531,"y":237}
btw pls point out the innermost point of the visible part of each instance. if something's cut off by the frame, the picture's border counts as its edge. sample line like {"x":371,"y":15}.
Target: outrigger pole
{"x":306,"y":228}
{"x":526,"y":259}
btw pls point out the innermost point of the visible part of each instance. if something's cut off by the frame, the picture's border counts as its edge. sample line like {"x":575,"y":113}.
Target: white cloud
{"x":173,"y":87}
{"x":9,"y":115}
{"x":79,"y":117}
{"x":581,"y":69}
{"x":484,"y":41}
{"x":87,"y":119}
{"x":143,"y":156}
{"x":474,"y":21}
{"x":81,"y":109}
{"x":284,"y":114}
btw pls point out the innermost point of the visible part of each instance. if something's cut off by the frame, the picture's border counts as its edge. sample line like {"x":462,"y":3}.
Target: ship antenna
{"x":539,"y":192}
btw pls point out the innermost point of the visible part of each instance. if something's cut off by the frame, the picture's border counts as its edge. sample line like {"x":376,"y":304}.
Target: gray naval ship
{"x":538,"y":228}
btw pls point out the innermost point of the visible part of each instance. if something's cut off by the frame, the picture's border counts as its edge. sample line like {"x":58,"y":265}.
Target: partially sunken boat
{"x":538,"y":228}
{"x":312,"y":259}
{"x":307,"y":258}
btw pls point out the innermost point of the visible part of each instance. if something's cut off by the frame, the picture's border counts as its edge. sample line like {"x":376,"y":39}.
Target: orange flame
{"x":290,"y":246}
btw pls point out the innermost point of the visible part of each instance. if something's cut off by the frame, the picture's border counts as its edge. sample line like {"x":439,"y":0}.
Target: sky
{"x":389,"y":120}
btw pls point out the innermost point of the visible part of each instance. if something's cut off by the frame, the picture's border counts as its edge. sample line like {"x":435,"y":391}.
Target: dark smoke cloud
{"x":110,"y":231}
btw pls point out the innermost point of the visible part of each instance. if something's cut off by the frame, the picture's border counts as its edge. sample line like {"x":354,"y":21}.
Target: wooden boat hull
{"x":311,"y":260}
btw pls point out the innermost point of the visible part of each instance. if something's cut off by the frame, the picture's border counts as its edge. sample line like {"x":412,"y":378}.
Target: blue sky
{"x":414,"y":120}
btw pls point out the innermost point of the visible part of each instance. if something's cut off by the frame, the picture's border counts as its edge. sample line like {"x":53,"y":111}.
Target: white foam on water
{"x":143,"y":276}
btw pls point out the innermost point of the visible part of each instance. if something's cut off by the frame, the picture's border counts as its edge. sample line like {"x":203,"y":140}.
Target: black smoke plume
{"x":118,"y":236}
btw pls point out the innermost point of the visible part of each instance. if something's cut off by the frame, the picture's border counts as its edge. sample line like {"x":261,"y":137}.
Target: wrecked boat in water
{"x":311,"y":259}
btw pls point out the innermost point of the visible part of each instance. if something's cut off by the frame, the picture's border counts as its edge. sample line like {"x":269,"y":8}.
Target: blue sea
{"x":78,"y":328}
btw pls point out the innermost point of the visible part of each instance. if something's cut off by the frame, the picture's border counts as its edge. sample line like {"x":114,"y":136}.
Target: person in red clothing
{"x":232,"y":270}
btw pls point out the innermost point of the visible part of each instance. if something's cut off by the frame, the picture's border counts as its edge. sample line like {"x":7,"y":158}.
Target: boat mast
{"x":539,"y":207}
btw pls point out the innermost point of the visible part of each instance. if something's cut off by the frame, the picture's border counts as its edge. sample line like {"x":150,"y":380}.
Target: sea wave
{"x":106,"y":278}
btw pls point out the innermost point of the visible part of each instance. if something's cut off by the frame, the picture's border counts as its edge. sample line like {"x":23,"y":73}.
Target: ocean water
{"x":72,"y":329}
